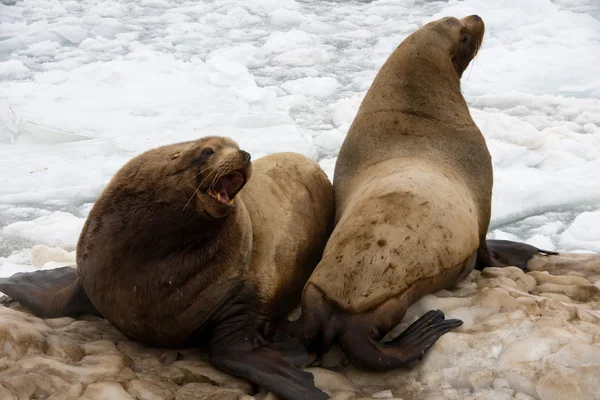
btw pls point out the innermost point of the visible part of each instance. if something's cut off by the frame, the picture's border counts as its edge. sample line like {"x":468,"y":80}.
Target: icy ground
{"x":85,"y":85}
{"x":533,"y":336}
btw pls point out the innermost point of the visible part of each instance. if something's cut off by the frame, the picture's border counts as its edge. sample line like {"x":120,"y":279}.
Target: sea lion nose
{"x":246,"y":156}
{"x":474,"y":22}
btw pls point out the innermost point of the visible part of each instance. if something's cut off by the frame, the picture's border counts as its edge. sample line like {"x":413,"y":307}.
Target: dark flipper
{"x":245,"y":344}
{"x":505,"y":253}
{"x":290,"y":349}
{"x":49,"y":293}
{"x":410,"y":346}
{"x":268,"y":364}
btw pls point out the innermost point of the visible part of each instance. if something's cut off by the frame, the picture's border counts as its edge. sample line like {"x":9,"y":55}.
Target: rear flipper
{"x":410,"y":346}
{"x":505,"y":253}
{"x":268,"y":364}
{"x":49,"y":293}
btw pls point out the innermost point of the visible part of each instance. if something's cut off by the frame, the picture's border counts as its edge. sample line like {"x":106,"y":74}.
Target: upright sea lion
{"x":172,"y":255}
{"x":413,"y":188}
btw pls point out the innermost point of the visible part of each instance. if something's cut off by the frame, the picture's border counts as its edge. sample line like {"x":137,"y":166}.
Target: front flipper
{"x":49,"y":293}
{"x":506,"y":253}
{"x":410,"y":346}
{"x":268,"y":364}
{"x":290,"y":349}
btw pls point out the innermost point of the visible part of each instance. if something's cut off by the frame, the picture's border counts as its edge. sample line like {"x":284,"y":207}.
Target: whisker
{"x":218,"y":175}
{"x":472,"y":63}
{"x":195,"y":191}
{"x":203,"y":180}
{"x":195,"y":176}
{"x":191,"y":197}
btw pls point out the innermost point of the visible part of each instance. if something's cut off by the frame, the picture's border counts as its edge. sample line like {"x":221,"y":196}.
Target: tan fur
{"x":411,"y":223}
{"x":290,"y":203}
{"x":413,"y":179}
{"x":158,"y":256}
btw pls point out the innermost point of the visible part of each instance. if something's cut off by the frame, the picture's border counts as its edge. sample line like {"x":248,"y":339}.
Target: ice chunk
{"x":13,"y":69}
{"x":57,"y":229}
{"x":583,"y":232}
{"x":318,"y":87}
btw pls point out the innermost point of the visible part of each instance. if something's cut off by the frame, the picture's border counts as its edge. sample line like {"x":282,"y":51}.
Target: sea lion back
{"x":290,"y":202}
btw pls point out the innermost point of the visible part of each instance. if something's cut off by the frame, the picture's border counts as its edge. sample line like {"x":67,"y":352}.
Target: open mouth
{"x":226,"y":187}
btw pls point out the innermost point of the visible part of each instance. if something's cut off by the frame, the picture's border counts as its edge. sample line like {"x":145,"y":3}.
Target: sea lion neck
{"x":417,"y":82}
{"x":414,"y":104}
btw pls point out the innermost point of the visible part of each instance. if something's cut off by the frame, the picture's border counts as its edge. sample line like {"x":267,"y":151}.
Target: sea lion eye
{"x":204,"y":156}
{"x":465,"y":38}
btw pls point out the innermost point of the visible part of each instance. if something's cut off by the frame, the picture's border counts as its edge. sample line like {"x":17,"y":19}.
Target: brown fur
{"x":412,"y":184}
{"x":158,"y":268}
{"x":290,"y":226}
{"x":171,"y":265}
{"x":413,"y":179}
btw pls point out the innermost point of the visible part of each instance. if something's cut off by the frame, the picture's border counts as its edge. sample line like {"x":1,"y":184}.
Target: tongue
{"x":228,"y":185}
{"x":224,"y":194}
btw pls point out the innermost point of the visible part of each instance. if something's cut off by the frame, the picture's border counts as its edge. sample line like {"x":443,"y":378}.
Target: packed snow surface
{"x":525,"y":336}
{"x":85,"y":85}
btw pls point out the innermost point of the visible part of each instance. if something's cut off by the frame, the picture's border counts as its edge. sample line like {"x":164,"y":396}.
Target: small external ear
{"x":49,"y":293}
{"x":175,"y":156}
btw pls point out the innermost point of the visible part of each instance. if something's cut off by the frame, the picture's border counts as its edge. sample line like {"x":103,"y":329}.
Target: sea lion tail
{"x":49,"y":293}
{"x":506,"y":253}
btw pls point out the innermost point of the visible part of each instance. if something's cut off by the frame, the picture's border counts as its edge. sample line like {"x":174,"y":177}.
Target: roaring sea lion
{"x":193,"y":244}
{"x":413,"y":189}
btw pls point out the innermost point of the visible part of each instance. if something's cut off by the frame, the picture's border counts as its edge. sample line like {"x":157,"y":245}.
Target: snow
{"x":56,"y":229}
{"x":320,"y":88}
{"x":583,"y":232}
{"x":86,"y":85}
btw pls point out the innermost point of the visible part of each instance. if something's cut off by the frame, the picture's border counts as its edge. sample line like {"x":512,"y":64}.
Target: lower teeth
{"x":222,"y":200}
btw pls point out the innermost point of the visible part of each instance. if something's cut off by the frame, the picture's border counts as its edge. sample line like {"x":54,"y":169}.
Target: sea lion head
{"x":213,"y":171}
{"x":458,"y":39}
